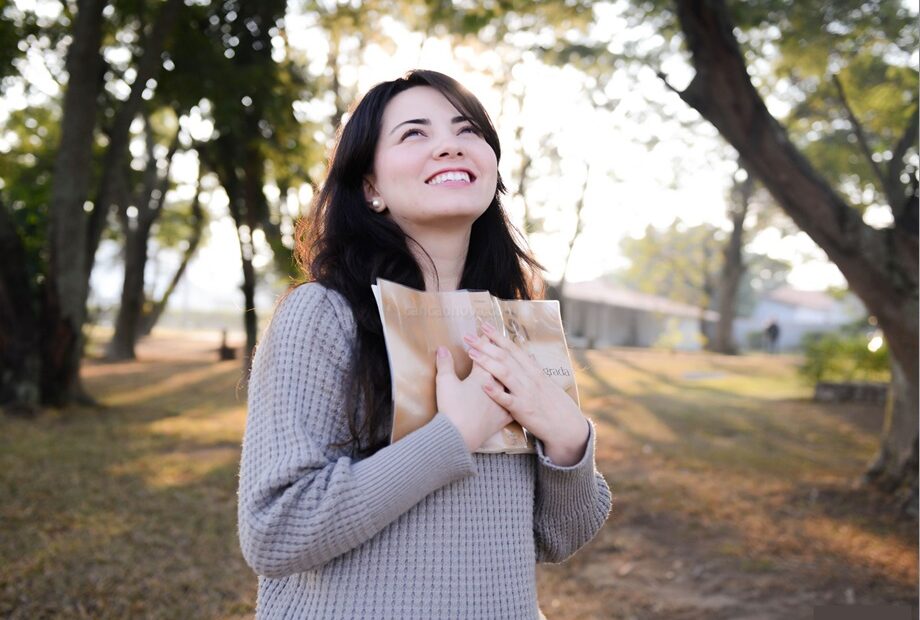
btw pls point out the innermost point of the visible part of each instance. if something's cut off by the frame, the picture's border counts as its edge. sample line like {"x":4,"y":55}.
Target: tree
{"x":175,"y":229}
{"x":139,"y":207}
{"x":679,"y":263}
{"x":59,"y":277}
{"x":147,"y":65}
{"x":65,"y":288}
{"x":879,"y":264}
{"x":687,"y":263}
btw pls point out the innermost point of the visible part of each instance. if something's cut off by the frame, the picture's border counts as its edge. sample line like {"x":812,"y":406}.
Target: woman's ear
{"x":372,"y":196}
{"x":370,"y":191}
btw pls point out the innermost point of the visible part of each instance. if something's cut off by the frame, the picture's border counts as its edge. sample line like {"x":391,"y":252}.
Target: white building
{"x":599,"y":314}
{"x":796,"y":313}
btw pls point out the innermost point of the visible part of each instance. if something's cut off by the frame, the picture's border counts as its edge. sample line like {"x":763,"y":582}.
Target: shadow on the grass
{"x":130,"y":511}
{"x":115,"y":519}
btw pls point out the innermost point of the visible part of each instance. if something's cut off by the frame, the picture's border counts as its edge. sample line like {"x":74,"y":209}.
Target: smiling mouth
{"x":451,"y":175}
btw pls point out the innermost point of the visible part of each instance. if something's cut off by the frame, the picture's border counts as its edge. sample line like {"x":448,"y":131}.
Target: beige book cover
{"x":416,"y":323}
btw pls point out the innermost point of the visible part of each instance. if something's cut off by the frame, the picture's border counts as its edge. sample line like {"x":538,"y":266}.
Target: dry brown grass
{"x":734,"y":495}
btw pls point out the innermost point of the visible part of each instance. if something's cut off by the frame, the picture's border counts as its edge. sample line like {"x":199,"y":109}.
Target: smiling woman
{"x":432,"y":165}
{"x":337,"y":521}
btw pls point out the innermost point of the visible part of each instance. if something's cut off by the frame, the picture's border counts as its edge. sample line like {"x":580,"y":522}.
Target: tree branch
{"x":861,"y":138}
{"x":664,"y":78}
{"x":901,"y":209}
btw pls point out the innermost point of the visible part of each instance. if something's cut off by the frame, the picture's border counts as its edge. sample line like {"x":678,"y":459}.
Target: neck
{"x":447,"y":250}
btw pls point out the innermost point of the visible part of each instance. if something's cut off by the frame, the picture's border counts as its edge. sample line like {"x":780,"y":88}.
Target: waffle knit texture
{"x":422,"y":529}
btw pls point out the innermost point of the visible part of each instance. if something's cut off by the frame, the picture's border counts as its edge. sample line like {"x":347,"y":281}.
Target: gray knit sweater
{"x":422,"y":529}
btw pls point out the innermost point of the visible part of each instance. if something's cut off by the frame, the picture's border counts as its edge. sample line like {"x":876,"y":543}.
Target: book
{"x":415,"y":323}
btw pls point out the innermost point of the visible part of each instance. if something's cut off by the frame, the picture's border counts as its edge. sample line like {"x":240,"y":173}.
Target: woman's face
{"x":431,"y":166}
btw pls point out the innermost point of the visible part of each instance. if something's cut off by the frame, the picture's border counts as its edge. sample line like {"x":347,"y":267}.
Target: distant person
{"x":771,"y":334}
{"x":338,"y":522}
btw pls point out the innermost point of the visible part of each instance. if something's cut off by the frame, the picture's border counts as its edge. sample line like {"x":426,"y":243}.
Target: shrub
{"x":843,"y":356}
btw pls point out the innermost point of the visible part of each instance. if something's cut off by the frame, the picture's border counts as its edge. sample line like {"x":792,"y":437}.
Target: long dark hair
{"x":345,"y":246}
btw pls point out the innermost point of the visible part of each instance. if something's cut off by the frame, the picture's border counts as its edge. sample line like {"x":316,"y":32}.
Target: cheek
{"x":489,"y":166}
{"x":390,"y":177}
{"x":487,"y":161}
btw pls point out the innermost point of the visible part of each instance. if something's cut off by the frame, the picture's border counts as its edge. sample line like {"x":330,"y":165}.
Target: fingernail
{"x":473,"y":353}
{"x":442,"y":352}
{"x":469,"y":338}
{"x":486,"y":327}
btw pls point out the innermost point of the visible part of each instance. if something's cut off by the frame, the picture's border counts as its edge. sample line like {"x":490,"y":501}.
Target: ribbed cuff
{"x":562,"y":487}
{"x":586,"y":457}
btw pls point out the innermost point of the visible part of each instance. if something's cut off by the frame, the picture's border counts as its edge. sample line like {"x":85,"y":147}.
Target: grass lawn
{"x":734,"y":495}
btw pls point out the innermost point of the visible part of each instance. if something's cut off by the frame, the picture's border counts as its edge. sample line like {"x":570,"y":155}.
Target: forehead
{"x":417,"y":102}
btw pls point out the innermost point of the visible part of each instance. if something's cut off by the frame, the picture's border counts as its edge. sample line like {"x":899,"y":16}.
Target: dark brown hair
{"x":346,"y":247}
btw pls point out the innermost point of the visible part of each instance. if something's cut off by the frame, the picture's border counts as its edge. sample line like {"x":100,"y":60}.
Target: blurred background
{"x":724,"y":195}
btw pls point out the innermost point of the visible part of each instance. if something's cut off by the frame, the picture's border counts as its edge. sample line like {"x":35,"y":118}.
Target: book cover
{"x":416,"y":322}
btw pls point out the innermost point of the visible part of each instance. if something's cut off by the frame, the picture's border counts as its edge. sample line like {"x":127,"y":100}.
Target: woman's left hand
{"x":532,"y":399}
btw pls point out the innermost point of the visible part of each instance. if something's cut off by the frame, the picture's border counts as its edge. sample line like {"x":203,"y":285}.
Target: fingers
{"x":502,"y":371}
{"x":509,"y":346}
{"x":501,"y":397}
{"x":501,"y":363}
{"x":444,"y":363}
{"x":483,"y":345}
{"x":481,"y":375}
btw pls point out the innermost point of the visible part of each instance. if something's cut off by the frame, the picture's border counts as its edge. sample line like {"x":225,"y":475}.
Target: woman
{"x":337,"y":522}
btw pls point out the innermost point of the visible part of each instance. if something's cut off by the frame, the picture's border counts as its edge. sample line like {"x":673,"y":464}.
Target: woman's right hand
{"x":471,"y":410}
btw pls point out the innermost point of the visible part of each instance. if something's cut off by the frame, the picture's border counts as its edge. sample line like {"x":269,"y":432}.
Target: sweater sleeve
{"x":300,"y":504}
{"x":571,"y":504}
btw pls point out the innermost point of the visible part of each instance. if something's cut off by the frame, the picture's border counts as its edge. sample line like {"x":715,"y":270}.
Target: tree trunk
{"x":65,"y":293}
{"x":121,"y":346}
{"x":579,"y":227}
{"x":708,"y":293}
{"x":20,"y":350}
{"x":244,"y":205}
{"x":732,"y":270}
{"x":152,"y":315}
{"x":149,"y":205}
{"x":250,"y":320}
{"x":256,"y":214}
{"x":120,"y":133}
{"x":880,"y":265}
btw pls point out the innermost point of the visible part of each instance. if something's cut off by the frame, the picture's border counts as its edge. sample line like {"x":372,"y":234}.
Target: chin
{"x":463,"y":213}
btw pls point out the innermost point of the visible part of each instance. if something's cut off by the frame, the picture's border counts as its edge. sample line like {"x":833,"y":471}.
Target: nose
{"x":448,"y":147}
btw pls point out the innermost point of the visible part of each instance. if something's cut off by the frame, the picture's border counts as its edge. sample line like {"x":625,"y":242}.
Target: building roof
{"x":602,"y":292}
{"x":815,"y":300}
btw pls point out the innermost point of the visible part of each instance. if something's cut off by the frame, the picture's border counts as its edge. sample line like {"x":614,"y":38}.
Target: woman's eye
{"x":469,"y":129}
{"x":412,"y":132}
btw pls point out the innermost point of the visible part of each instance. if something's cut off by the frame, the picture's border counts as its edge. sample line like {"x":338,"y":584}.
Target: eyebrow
{"x":425,"y":121}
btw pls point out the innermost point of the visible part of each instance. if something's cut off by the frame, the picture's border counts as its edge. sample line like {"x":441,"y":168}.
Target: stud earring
{"x":377,"y":205}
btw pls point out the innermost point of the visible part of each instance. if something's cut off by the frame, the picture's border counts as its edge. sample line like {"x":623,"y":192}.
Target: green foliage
{"x":673,"y":337}
{"x":19,"y":27}
{"x":684,"y":264}
{"x":794,"y":50}
{"x":174,"y":226}
{"x":492,"y":22}
{"x":678,"y":262}
{"x":843,"y":356}
{"x":25,"y":171}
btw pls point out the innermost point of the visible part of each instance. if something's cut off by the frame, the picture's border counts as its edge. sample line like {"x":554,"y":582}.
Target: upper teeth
{"x":453,"y":175}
